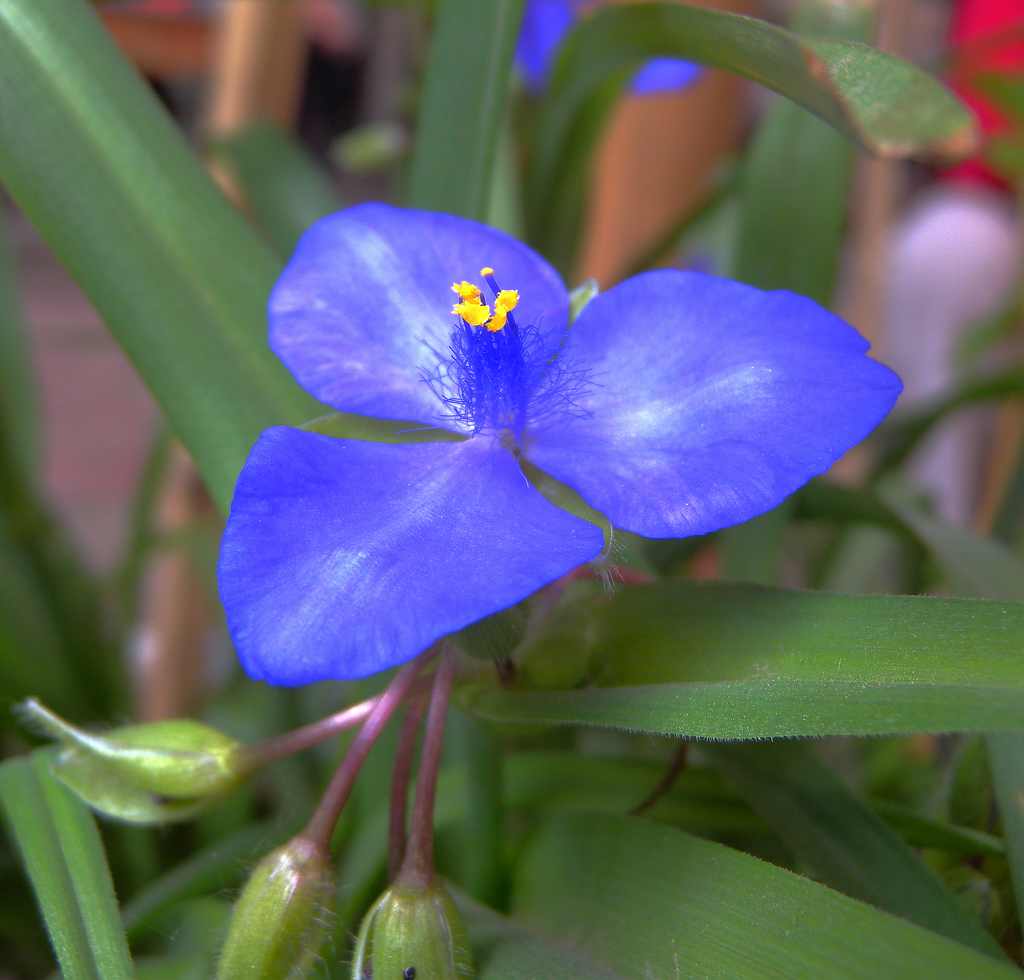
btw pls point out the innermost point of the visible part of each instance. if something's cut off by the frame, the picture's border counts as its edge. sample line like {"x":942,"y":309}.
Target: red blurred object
{"x":987,"y":37}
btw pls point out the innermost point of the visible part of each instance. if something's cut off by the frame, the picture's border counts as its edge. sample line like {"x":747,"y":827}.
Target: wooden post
{"x":657,"y":160}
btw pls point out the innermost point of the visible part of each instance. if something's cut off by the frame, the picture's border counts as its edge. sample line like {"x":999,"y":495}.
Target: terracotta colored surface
{"x":657,"y":161}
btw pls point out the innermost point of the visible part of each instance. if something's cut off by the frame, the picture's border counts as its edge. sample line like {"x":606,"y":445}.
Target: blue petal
{"x":545,"y":24}
{"x":343,"y":558}
{"x":709,"y":402}
{"x":363,"y":307}
{"x":665,"y":75}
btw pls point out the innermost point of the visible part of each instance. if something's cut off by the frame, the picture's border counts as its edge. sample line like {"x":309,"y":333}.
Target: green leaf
{"x":95,"y":163}
{"x":479,"y":859}
{"x":646,"y":900}
{"x":460,"y":121}
{"x":282,"y":185}
{"x":889,"y":106}
{"x":905,"y":433}
{"x":32,"y":657}
{"x":796,"y":177}
{"x":345,"y":425}
{"x":975,"y":566}
{"x":208,"y":871}
{"x":510,"y":950}
{"x":1006,"y":757}
{"x":842,"y":841}
{"x":63,"y":855}
{"x":18,"y":408}
{"x":921,"y":831}
{"x":718,"y":660}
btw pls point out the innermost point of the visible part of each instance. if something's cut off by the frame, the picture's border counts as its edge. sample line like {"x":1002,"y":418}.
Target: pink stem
{"x":418,"y":866}
{"x":300,"y":739}
{"x":320,"y":828}
{"x":400,"y":784}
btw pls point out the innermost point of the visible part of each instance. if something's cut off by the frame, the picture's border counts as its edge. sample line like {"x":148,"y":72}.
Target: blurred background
{"x":301,"y":106}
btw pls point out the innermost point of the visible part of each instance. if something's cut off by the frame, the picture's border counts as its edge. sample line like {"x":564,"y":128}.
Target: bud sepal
{"x":281,"y":917}
{"x":413,"y":931}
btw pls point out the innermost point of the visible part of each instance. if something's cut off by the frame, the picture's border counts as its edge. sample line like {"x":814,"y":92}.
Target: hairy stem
{"x":400,"y":783}
{"x":321,"y":825}
{"x":418,"y":865}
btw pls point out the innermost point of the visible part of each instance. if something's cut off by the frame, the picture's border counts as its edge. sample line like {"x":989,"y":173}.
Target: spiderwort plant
{"x":676,"y":404}
{"x":545,"y":25}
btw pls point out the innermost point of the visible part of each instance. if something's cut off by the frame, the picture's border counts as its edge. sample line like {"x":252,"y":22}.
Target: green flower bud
{"x":370,"y":147}
{"x":142,"y":773}
{"x":580,"y":296}
{"x":413,"y":933}
{"x":281,"y":918}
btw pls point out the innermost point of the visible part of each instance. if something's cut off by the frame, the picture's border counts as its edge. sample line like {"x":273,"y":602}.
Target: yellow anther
{"x":506,"y":301}
{"x":466,"y":290}
{"x":473,"y":312}
{"x":497,"y":322}
{"x":487,"y":271}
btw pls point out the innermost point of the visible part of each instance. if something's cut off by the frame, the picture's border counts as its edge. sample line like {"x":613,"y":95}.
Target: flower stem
{"x":300,"y":739}
{"x":418,"y":864}
{"x":400,"y":784}
{"x":321,"y":825}
{"x":667,"y":781}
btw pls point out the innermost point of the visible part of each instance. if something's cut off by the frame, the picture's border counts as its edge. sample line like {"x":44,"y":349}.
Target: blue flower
{"x":545,"y":24}
{"x":676,"y":404}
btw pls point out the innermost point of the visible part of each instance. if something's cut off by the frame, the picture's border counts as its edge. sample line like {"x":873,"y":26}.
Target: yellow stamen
{"x":487,"y":271}
{"x":473,"y":312}
{"x":466,"y":290}
{"x":506,"y":301}
{"x":497,"y":322}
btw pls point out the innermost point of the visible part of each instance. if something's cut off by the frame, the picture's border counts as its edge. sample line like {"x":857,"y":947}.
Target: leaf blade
{"x":842,"y":840}
{"x":726,"y":661}
{"x":652,"y":901}
{"x":64,"y":859}
{"x":91,"y":158}
{"x":459,"y":125}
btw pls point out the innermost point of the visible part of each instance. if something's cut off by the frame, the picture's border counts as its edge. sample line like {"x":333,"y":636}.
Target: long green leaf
{"x":463,"y":106}
{"x":18,"y":408}
{"x":63,"y":855}
{"x":919,"y":830}
{"x":905,"y":433}
{"x":740,"y":662}
{"x":1006,"y":757}
{"x":32,"y":657}
{"x":888,"y":105}
{"x":842,"y":840}
{"x":651,"y":901}
{"x":282,"y":186}
{"x":796,"y":176}
{"x":92,"y":159}
{"x":974,"y":566}
{"x":979,"y":566}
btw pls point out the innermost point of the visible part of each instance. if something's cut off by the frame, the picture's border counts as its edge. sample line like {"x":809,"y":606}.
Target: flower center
{"x":475,"y":313}
{"x":500,"y":374}
{"x":494,"y":365}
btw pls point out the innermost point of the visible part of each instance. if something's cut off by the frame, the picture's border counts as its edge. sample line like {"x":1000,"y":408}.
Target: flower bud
{"x":413,"y":932}
{"x":281,"y":918}
{"x":142,"y":773}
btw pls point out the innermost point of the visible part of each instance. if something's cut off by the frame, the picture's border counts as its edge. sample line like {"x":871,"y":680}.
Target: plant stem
{"x":321,"y":825}
{"x":299,"y":739}
{"x":418,"y":865}
{"x":666,"y":782}
{"x":400,"y":784}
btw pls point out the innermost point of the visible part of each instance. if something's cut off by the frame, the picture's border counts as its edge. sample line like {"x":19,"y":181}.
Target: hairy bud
{"x":413,"y":932}
{"x":141,"y":773}
{"x":281,"y":918}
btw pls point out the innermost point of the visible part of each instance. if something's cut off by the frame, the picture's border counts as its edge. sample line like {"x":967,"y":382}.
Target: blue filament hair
{"x":506,"y":379}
